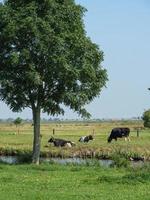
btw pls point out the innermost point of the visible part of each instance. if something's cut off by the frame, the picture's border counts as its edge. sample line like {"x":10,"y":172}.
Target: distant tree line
{"x":45,"y":120}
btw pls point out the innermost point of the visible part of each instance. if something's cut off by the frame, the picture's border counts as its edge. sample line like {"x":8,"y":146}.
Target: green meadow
{"x":50,"y":181}
{"x":12,"y":142}
{"x":73,"y":182}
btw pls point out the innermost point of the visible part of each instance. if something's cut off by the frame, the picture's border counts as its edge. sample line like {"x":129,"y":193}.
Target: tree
{"x":46,"y":60}
{"x":17,"y":122}
{"x":146,"y":118}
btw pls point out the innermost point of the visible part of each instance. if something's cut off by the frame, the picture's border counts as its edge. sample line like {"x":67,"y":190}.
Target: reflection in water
{"x":9,"y":159}
{"x":15,"y":160}
{"x":104,"y":163}
{"x":79,"y":161}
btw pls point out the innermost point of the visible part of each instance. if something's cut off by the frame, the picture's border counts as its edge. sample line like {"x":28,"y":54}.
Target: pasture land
{"x":73,"y":182}
{"x":12,"y":143}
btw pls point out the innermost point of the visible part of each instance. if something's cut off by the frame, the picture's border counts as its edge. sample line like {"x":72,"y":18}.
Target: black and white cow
{"x":86,"y":138}
{"x":119,"y":133}
{"x":60,"y":142}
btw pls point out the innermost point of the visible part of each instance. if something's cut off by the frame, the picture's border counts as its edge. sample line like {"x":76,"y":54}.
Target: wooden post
{"x":138,"y":131}
{"x":53,"y":131}
{"x":93,"y":132}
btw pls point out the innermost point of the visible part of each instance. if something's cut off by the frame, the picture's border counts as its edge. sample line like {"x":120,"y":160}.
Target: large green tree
{"x":46,"y":59}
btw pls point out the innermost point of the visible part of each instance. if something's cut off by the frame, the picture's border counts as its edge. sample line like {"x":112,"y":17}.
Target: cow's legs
{"x":128,"y":139}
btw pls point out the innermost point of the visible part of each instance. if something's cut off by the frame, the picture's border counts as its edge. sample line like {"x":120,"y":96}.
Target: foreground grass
{"x":55,"y":182}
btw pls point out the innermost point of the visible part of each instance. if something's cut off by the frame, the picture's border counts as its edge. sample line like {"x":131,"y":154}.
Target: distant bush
{"x":146,"y":118}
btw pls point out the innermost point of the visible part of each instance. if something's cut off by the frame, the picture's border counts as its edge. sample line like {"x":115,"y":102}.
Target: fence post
{"x":93,"y":132}
{"x":53,"y":131}
{"x":138,"y":132}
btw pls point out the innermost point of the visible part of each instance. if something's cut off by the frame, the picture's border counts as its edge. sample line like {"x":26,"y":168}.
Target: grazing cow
{"x":119,"y":133}
{"x":60,"y":142}
{"x":86,"y":138}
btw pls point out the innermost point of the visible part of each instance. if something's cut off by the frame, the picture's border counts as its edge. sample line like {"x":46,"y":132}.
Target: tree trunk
{"x":36,"y":139}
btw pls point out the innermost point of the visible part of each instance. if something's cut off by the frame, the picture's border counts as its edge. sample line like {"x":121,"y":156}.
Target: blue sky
{"x":121,"y":29}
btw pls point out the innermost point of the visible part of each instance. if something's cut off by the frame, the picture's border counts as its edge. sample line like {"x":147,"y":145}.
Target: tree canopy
{"x":46,"y":58}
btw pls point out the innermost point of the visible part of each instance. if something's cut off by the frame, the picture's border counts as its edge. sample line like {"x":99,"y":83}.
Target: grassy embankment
{"x":73,"y":182}
{"x":13,"y":143}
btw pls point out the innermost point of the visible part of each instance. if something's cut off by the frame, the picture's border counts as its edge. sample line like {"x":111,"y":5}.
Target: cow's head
{"x":51,"y":140}
{"x":109,"y":139}
{"x":91,"y":137}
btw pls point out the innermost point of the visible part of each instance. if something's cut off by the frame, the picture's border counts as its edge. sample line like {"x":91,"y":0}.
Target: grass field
{"x":11,"y":141}
{"x":73,"y":182}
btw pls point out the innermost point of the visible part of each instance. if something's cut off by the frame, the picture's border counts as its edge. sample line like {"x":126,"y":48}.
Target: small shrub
{"x":119,"y":161}
{"x":25,"y":158}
